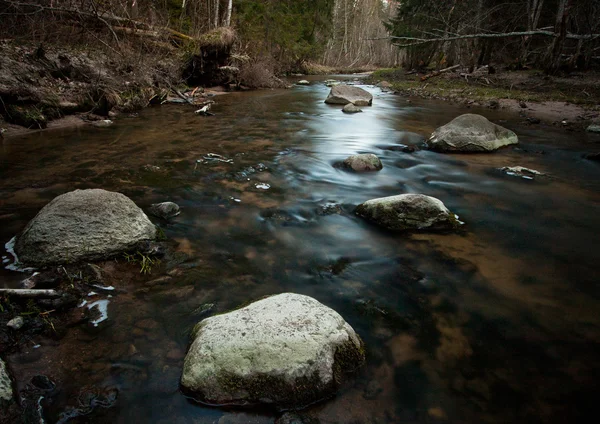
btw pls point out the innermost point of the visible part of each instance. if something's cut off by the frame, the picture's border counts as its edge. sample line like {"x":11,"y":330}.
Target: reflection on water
{"x":496,"y":324}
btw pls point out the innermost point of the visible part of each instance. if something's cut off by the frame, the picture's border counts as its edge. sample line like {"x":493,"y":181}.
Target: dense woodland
{"x":551,"y":34}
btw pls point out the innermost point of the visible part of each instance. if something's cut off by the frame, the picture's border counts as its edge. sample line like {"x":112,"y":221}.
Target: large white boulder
{"x":288,"y":350}
{"x":344,"y":94}
{"x":471,"y":133}
{"x":408,"y":212}
{"x":83,"y":225}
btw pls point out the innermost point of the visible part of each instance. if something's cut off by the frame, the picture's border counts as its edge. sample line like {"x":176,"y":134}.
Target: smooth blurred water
{"x":498,"y":323}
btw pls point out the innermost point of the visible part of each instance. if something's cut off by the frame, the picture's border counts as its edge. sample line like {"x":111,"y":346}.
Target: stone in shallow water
{"x":363,"y":163}
{"x":593,"y":128}
{"x":164,"y":210}
{"x":407,"y":212}
{"x":519,"y":171}
{"x":288,"y":350}
{"x":83,"y":224}
{"x":344,"y":94}
{"x":470,"y":133}
{"x":351,"y":108}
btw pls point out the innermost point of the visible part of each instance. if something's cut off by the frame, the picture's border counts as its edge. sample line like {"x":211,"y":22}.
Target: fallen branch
{"x":436,"y":73}
{"x":418,"y":41}
{"x":31,"y":293}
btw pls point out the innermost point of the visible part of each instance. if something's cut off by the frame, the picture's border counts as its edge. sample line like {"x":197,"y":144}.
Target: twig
{"x":31,"y":293}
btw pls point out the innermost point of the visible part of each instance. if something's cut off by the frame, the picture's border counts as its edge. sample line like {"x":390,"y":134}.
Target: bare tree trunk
{"x":560,"y":28}
{"x":227,"y":21}
{"x":216,"y":17}
{"x":134,"y":9}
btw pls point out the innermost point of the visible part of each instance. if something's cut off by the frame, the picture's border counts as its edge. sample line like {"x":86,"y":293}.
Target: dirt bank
{"x":572,"y":101}
{"x":41,"y":84}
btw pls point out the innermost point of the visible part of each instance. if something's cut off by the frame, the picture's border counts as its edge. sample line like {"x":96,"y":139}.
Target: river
{"x":497,"y":323}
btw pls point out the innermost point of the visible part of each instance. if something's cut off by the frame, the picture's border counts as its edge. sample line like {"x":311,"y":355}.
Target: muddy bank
{"x":54,"y":87}
{"x":572,"y":102}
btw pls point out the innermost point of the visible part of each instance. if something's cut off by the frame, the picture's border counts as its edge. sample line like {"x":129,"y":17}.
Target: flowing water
{"x":498,"y":323}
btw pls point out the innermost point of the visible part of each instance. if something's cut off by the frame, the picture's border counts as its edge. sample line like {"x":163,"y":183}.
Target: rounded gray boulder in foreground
{"x":408,"y":212}
{"x":288,"y":350}
{"x":364,"y":162}
{"x":83,"y":225}
{"x":471,"y":133}
{"x":344,"y":94}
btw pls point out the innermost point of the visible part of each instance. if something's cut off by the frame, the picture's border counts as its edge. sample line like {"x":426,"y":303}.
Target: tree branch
{"x":419,"y":41}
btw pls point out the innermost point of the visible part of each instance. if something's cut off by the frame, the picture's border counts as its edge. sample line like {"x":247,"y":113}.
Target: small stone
{"x":519,"y":171}
{"x":522,"y":104}
{"x":533,"y":120}
{"x":351,"y":108}
{"x":102,"y":123}
{"x":15,"y":323}
{"x":493,"y":104}
{"x":303,"y":82}
{"x":164,"y":210}
{"x":175,"y":354}
{"x":363,"y":163}
{"x":593,"y":128}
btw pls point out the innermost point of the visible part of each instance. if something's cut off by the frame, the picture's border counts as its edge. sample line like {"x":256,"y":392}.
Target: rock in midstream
{"x":288,"y":350}
{"x":83,"y":224}
{"x":470,"y":133}
{"x":363,"y":163}
{"x":406,"y":212}
{"x":164,"y":210}
{"x":351,"y":108}
{"x":343,"y":94}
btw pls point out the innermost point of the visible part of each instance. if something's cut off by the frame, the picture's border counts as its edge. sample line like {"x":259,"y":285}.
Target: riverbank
{"x":572,"y":101}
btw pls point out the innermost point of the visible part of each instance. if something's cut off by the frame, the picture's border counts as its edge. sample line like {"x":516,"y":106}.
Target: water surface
{"x":498,"y":323}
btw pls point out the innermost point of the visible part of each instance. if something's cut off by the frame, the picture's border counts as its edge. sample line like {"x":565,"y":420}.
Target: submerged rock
{"x":6,"y":391}
{"x":593,"y":156}
{"x":351,"y":108}
{"x":343,"y":94}
{"x":471,"y":133}
{"x":288,"y":350}
{"x":164,"y":210}
{"x":593,"y":128}
{"x":83,"y":224}
{"x":519,"y":171}
{"x":407,"y":212}
{"x":363,"y":163}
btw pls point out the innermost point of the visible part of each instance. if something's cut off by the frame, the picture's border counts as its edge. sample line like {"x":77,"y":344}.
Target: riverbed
{"x":496,"y":323}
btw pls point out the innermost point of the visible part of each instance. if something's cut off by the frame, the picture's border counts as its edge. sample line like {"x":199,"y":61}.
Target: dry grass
{"x":222,"y":37}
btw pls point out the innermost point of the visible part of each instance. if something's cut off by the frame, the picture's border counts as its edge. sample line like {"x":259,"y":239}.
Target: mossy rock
{"x":409,"y":212}
{"x":287,"y":350}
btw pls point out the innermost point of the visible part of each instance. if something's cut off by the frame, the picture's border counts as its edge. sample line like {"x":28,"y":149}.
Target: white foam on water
{"x":103,"y":308}
{"x":263,"y":186}
{"x":92,"y":293}
{"x":15,"y":265}
{"x":82,"y":303}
